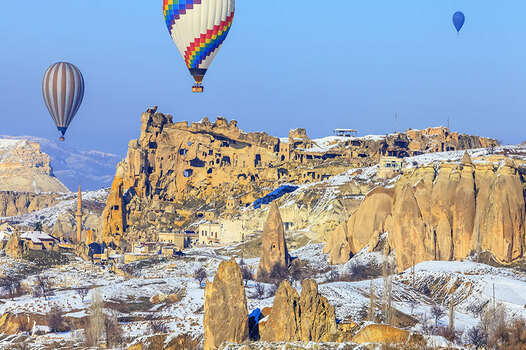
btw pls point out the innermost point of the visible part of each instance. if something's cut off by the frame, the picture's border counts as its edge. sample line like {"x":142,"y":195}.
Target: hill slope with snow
{"x":92,"y":169}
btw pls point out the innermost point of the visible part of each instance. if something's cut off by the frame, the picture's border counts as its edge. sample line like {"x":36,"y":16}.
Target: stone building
{"x":38,"y":241}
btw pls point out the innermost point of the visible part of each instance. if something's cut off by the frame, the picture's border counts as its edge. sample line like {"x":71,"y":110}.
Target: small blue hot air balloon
{"x":458,"y":21}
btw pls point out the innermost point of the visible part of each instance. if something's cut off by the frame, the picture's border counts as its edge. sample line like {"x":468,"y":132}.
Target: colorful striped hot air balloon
{"x":63,"y":90}
{"x":198,"y":28}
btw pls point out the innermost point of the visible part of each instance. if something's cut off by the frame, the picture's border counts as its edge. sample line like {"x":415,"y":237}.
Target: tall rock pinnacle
{"x":273,"y":246}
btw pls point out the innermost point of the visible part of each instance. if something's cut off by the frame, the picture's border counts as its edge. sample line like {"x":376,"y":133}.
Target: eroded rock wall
{"x":176,"y":169}
{"x":446,"y":212}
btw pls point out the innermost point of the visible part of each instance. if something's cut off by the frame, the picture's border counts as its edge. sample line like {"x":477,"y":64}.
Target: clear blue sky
{"x":312,"y":64}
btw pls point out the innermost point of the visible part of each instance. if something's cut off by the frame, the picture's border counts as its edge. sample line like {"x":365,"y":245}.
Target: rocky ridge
{"x":181,"y":167}
{"x":24,"y":168}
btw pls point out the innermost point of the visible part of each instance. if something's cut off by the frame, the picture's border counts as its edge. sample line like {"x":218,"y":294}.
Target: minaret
{"x":79,"y":216}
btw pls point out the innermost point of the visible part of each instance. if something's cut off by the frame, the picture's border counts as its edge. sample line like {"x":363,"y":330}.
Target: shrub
{"x":278,"y":274}
{"x":247,"y":273}
{"x":272,"y":290}
{"x":158,"y":326}
{"x":259,"y":291}
{"x":55,"y":319}
{"x":477,"y":337}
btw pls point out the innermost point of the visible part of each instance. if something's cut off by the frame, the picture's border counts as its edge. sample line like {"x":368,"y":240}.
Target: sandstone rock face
{"x":294,"y":318}
{"x":20,"y":203}
{"x":284,"y":322}
{"x":13,"y":324}
{"x":13,"y":247}
{"x":24,"y":168}
{"x":273,"y":246}
{"x":182,"y":168}
{"x":318,"y":320}
{"x":226,"y":314}
{"x":379,"y":333}
{"x":442,"y":213}
{"x":65,"y":227}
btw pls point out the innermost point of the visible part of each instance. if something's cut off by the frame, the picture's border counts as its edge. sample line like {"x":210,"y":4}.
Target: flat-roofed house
{"x":34,"y":240}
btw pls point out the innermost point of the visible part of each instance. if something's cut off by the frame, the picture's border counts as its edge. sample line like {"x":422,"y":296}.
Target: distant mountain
{"x":92,"y":169}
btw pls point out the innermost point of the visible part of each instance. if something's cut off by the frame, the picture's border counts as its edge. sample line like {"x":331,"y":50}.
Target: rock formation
{"x":20,"y":203}
{"x":184,"y":168}
{"x":226,"y":314}
{"x":14,"y":247}
{"x":443,"y":212}
{"x":65,"y":226}
{"x":273,"y":245}
{"x":24,"y":168}
{"x":380,"y":333}
{"x":294,"y":318}
{"x":318,"y":321}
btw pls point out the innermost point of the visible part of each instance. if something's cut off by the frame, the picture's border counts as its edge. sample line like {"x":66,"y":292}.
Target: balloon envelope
{"x":458,"y":20}
{"x":63,"y":91}
{"x":198,"y":29}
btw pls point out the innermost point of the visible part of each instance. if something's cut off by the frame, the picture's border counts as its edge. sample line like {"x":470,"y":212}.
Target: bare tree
{"x":278,"y":274}
{"x":43,"y":287}
{"x":95,"y":324}
{"x":11,"y":286}
{"x":452,"y":315}
{"x":113,"y":331}
{"x":372,"y":308}
{"x":259,"y":291}
{"x":437,"y":311}
{"x":388,"y":288}
{"x":412,"y":305}
{"x":200,"y":276}
{"x":477,"y":337}
{"x":246,"y":271}
{"x":82,"y":292}
{"x":55,"y":319}
{"x":334,"y":275}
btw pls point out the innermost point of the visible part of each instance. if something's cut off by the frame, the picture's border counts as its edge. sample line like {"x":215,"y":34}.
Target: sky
{"x":311,"y":64}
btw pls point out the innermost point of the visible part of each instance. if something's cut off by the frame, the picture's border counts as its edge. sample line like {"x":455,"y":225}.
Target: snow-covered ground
{"x":48,"y":216}
{"x":129,"y":297}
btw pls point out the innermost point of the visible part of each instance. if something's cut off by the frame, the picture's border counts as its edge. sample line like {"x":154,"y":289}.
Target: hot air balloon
{"x":458,"y":21}
{"x":198,"y":29}
{"x":63,"y":90}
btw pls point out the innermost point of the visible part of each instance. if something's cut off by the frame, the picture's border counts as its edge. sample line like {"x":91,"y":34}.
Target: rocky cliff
{"x":20,"y":203}
{"x":24,"y":168}
{"x":177,"y":169}
{"x":441,"y":212}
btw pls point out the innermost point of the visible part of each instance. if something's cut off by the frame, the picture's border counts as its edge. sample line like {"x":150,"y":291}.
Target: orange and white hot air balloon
{"x":198,"y":29}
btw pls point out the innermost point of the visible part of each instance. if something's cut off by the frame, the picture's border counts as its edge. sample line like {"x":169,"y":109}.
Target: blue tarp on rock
{"x":276,"y":194}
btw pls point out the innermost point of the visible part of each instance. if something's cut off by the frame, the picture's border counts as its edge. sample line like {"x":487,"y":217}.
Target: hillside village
{"x":292,"y":240}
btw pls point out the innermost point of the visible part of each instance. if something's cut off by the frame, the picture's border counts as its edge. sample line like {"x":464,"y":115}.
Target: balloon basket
{"x":198,"y":88}
{"x":62,"y":139}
